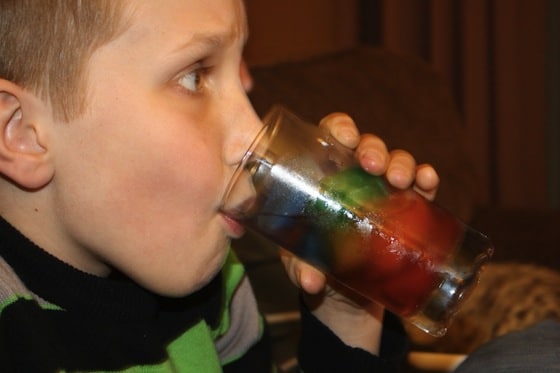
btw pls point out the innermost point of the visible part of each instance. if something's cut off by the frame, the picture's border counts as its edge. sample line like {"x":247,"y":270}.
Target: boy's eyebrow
{"x":214,"y":40}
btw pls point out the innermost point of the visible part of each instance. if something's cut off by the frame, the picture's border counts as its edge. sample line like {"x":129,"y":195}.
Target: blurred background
{"x":500,"y":60}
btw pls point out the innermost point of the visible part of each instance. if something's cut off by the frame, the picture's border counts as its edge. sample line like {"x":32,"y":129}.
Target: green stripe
{"x":8,"y":301}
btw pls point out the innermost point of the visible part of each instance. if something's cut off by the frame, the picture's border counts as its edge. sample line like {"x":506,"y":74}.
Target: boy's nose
{"x":244,"y":127}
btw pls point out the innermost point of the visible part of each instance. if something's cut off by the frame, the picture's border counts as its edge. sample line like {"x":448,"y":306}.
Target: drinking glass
{"x":301,"y":189}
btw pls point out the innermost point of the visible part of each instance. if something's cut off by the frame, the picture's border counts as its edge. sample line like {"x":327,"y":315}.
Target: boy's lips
{"x":232,"y":215}
{"x":235,"y":209}
{"x":233,"y":227}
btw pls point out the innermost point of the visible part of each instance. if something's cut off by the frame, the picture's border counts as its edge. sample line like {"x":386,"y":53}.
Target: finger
{"x":303,"y":275}
{"x":342,"y":128}
{"x":401,"y":171}
{"x":312,"y":281}
{"x":372,"y":154}
{"x":427,"y":181}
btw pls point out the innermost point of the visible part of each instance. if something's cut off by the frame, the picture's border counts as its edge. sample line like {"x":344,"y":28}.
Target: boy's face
{"x":139,"y":177}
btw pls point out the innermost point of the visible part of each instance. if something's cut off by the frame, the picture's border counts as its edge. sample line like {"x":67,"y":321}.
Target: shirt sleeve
{"x":321,"y":350}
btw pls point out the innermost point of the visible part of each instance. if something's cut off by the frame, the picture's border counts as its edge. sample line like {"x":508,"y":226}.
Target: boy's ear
{"x":23,"y":158}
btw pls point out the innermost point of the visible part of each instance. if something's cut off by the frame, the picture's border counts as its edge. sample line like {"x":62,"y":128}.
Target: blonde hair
{"x":45,"y":46}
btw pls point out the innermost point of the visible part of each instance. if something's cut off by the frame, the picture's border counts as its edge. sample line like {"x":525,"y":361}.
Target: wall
{"x":283,"y":30}
{"x":553,"y":101}
{"x":492,"y":53}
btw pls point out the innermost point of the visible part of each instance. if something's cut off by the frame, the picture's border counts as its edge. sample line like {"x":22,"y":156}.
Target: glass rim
{"x":270,"y":126}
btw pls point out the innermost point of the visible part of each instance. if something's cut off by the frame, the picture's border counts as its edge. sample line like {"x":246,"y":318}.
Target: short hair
{"x":45,"y":46}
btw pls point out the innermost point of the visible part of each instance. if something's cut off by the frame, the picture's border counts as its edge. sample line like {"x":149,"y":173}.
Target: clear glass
{"x":304,"y":191}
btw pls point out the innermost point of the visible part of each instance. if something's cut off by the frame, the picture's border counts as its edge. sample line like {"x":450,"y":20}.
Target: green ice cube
{"x":354,"y":192}
{"x":354,"y":187}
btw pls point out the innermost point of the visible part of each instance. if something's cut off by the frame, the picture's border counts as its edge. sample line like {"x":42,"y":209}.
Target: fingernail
{"x":372,"y":160}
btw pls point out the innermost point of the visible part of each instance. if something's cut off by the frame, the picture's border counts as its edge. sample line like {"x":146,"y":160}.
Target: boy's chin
{"x":176,"y":282}
{"x":181,"y":287}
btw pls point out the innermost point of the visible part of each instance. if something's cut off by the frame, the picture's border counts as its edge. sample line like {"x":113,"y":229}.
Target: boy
{"x":122,"y":123}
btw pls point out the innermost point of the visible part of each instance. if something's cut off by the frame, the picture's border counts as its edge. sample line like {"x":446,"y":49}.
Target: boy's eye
{"x":192,"y":81}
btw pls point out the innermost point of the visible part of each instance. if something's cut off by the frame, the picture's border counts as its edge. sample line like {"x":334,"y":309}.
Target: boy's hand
{"x":356,"y":321}
{"x":398,"y":166}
